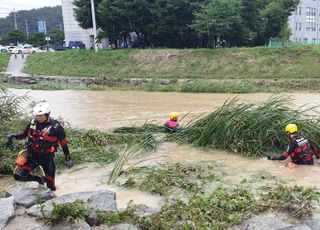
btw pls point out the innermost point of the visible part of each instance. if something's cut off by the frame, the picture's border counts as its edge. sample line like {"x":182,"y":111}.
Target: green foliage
{"x":15,"y":37}
{"x":241,"y":22}
{"x":4,"y":59}
{"x":68,"y":212}
{"x":37,"y":39}
{"x":56,"y":37}
{"x":221,"y":18}
{"x":165,"y":181}
{"x":170,"y":23}
{"x":299,"y":202}
{"x":157,"y":23}
{"x":256,"y":64}
{"x":248,"y":128}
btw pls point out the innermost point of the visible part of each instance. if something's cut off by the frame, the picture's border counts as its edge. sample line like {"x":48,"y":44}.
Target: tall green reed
{"x":251,"y":129}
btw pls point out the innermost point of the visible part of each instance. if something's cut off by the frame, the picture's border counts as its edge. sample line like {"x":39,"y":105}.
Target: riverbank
{"x":233,"y":70}
{"x":228,"y":63}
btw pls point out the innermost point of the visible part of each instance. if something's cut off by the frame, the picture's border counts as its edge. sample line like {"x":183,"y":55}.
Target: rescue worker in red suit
{"x":172,"y":124}
{"x":299,"y":148}
{"x":43,"y":135}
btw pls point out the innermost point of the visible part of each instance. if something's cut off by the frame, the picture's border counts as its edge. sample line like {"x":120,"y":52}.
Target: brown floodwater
{"x":110,"y":109}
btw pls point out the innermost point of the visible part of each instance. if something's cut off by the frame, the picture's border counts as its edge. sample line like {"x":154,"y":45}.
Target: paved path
{"x":15,"y":66}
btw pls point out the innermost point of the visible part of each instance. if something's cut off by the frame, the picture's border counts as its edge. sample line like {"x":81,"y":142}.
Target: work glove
{"x":9,"y":144}
{"x":271,"y":158}
{"x":69,"y":163}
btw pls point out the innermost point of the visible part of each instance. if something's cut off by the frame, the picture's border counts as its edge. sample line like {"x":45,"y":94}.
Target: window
{"x":299,"y":25}
{"x":299,"y":10}
{"x":305,"y":40}
{"x":311,"y":19}
{"x":314,"y":41}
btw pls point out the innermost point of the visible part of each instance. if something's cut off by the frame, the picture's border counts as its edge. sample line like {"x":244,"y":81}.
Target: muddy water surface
{"x":106,"y":110}
{"x":110,"y":109}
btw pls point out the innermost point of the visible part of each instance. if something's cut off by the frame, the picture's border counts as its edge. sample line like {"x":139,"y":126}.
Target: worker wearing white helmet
{"x":43,"y":135}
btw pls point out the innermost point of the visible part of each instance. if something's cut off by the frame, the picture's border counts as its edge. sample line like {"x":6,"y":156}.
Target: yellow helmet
{"x":173,"y":115}
{"x":291,"y":128}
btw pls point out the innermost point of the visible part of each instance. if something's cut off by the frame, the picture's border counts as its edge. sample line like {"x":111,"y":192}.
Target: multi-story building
{"x":72,"y":30}
{"x":305,"y":22}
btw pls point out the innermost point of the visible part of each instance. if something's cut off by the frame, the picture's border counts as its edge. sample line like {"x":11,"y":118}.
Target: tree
{"x":242,"y":22}
{"x":57,"y":37}
{"x":15,"y":37}
{"x":156,"y":22}
{"x":220,"y":19}
{"x":37,"y":39}
{"x":275,"y":15}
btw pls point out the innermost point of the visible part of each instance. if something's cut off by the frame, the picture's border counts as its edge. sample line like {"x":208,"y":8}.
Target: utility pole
{"x":27,"y":27}
{"x":94,"y":26}
{"x":15,"y":19}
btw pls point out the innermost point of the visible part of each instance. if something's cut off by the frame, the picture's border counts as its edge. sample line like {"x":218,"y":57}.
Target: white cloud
{"x":7,"y":6}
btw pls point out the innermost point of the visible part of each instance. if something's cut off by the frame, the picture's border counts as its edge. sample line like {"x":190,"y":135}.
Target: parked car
{"x":7,"y":48}
{"x":76,"y":45}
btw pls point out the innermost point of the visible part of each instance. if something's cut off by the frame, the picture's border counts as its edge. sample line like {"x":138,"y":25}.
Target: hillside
{"x":235,"y":63}
{"x":52,"y":16}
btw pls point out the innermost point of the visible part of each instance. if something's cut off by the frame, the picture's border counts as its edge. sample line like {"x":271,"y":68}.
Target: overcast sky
{"x":7,"y":6}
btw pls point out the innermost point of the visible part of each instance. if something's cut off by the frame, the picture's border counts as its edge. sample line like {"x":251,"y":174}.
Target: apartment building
{"x":305,"y":22}
{"x":72,"y":30}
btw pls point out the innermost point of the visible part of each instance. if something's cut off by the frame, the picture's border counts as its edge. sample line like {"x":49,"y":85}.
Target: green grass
{"x":230,"y":63}
{"x":4,"y":59}
{"x":223,"y":208}
{"x":249,"y":128}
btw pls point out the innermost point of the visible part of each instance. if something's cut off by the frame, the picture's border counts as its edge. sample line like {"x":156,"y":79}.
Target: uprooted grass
{"x":250,"y":129}
{"x":221,"y":209}
{"x":171,"y":179}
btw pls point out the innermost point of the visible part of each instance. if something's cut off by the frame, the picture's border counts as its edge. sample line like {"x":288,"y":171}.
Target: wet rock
{"x":26,"y":223}
{"x":68,"y":226}
{"x":314,"y":224}
{"x":184,"y":81}
{"x":27,"y":196}
{"x":100,"y":200}
{"x":298,"y":227}
{"x":116,"y":227}
{"x":136,"y":81}
{"x":265,"y":222}
{"x":7,"y":210}
{"x":162,"y":82}
{"x":144,"y":210}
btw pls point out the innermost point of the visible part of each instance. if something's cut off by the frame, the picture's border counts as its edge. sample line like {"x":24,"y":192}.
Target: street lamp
{"x":94,"y":26}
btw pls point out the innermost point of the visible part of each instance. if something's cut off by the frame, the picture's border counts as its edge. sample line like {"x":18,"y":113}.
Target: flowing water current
{"x":106,"y":110}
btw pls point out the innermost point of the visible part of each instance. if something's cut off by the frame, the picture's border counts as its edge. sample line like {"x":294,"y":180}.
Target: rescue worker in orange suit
{"x":172,"y":124}
{"x":299,"y":148}
{"x":43,"y":135}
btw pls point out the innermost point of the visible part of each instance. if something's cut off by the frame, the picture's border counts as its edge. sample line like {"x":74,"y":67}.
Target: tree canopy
{"x":189,"y":23}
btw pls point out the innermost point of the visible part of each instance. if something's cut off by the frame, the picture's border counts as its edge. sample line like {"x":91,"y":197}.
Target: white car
{"x":24,"y":50}
{"x":7,"y":48}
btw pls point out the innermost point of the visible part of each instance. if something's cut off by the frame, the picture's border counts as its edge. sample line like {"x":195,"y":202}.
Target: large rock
{"x":265,"y":222}
{"x":100,"y":200}
{"x":28,"y":196}
{"x":7,"y":210}
{"x":69,"y":226}
{"x":26,"y":223}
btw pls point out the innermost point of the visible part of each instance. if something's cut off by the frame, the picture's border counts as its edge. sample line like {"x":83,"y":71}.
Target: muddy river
{"x":109,"y":109}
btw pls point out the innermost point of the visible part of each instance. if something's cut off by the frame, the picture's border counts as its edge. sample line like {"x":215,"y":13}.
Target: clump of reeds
{"x":146,"y":143}
{"x":251,"y":129}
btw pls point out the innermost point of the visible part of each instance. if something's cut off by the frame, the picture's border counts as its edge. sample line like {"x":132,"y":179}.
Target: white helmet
{"x":41,"y":108}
